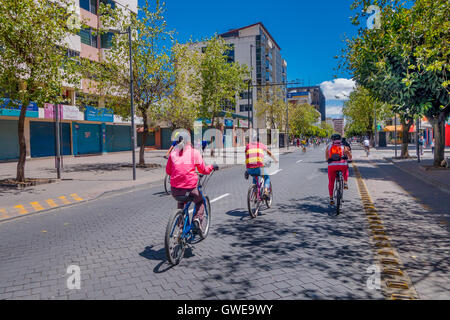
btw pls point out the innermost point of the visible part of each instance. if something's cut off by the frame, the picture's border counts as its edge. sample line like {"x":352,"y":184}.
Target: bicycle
{"x":256,"y":197}
{"x":180,"y":229}
{"x":339,"y":191}
{"x":167,"y":184}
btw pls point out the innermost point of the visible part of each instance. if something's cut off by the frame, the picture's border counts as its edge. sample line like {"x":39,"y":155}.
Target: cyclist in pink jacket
{"x":181,"y":167}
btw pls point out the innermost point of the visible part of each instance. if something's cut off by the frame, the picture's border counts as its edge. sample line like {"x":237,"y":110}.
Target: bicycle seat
{"x":185,"y":199}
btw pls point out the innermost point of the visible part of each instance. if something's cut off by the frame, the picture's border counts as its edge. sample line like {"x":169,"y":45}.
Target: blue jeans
{"x":255,"y":172}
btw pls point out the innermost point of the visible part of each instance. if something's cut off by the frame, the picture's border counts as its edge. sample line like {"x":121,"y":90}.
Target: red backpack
{"x":336,"y":152}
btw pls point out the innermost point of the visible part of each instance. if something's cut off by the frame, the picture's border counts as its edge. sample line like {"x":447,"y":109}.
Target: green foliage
{"x":405,"y":63}
{"x":360,"y":110}
{"x":271,"y":103}
{"x":302,"y":118}
{"x":152,"y":65}
{"x":218,"y":80}
{"x":32,"y":66}
{"x":181,"y":108}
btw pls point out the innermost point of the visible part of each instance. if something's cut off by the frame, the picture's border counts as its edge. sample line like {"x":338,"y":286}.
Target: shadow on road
{"x":304,"y":243}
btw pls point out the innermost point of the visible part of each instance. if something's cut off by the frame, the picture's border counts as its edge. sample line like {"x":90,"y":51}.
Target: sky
{"x":310,"y":34}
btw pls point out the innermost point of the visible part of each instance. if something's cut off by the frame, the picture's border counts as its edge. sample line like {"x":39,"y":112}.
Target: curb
{"x":430,"y":181}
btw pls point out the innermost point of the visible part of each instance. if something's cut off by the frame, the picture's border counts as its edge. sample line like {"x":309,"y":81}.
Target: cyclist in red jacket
{"x":337,"y":156}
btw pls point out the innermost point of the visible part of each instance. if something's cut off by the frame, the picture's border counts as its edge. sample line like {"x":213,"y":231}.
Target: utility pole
{"x":417,"y":138}
{"x":58,"y":142}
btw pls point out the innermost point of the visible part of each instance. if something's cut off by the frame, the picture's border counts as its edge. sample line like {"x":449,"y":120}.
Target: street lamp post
{"x":417,"y":138}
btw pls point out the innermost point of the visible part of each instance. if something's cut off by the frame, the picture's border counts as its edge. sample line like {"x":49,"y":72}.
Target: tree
{"x":152,"y":65}
{"x":181,"y":108}
{"x":302,"y":118}
{"x":34,"y":64}
{"x":405,"y":62}
{"x":271,"y":103}
{"x":326,"y":130}
{"x":360,"y":110}
{"x":219,"y":80}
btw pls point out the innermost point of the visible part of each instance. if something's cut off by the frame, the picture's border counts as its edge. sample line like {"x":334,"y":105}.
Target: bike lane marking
{"x":221,"y":197}
{"x":214,"y":200}
{"x":278,"y":171}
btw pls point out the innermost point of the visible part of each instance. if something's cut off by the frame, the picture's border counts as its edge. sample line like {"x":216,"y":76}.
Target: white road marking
{"x":220,"y":198}
{"x":214,"y":200}
{"x":278,"y":171}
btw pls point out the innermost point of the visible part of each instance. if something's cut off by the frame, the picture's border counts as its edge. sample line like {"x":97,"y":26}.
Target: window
{"x":88,"y":37}
{"x":245,"y":108}
{"x":72,"y":53}
{"x":230,"y":53}
{"x":228,"y":106}
{"x":245,"y":95}
{"x":106,"y":39}
{"x":89,"y":5}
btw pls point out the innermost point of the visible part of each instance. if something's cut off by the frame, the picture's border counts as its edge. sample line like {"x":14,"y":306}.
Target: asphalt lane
{"x":295,"y":250}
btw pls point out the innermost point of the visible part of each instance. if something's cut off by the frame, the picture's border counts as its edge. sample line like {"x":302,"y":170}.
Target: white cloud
{"x":334,"y":112}
{"x":338,"y":89}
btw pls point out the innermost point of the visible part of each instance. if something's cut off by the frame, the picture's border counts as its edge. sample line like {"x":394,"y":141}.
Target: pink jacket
{"x":181,"y":167}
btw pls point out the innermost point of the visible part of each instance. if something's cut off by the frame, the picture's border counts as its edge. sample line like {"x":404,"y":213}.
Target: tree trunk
{"x":144,"y":140}
{"x":406,"y":125}
{"x":439,"y":138}
{"x":20,"y":176}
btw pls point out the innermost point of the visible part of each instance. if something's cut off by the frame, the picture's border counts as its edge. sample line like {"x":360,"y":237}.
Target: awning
{"x":399,"y":129}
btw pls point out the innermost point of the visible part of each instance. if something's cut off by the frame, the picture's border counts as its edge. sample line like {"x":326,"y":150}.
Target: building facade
{"x":338,"y":125}
{"x":254,"y":46}
{"x":91,"y":131}
{"x":317,"y":98}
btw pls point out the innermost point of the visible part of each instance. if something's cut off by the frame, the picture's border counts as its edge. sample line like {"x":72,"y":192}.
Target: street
{"x":295,"y":250}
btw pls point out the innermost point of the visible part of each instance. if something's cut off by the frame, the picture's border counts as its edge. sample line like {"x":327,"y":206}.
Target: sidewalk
{"x":439,"y":178}
{"x":87,"y":178}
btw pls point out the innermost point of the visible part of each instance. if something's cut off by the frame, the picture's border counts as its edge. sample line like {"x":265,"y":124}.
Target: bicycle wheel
{"x":204,"y":234}
{"x":270,"y":200}
{"x":167,"y":184}
{"x":252,"y":201}
{"x":339,"y":186}
{"x":174,"y":244}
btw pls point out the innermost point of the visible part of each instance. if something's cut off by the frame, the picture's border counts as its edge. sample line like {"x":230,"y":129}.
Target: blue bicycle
{"x":180,"y":230}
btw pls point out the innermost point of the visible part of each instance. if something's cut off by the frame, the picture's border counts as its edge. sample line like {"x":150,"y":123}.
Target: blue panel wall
{"x":150,"y":142}
{"x":166,"y":136}
{"x":9,"y":140}
{"x":87,"y":138}
{"x":42,"y":139}
{"x":118,"y":138}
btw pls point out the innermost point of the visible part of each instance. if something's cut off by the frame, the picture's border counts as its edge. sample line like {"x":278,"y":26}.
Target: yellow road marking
{"x":76,"y":197}
{"x":399,"y":287}
{"x":64,"y":200}
{"x":37,"y":206}
{"x":51,"y":203}
{"x":21,"y":209}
